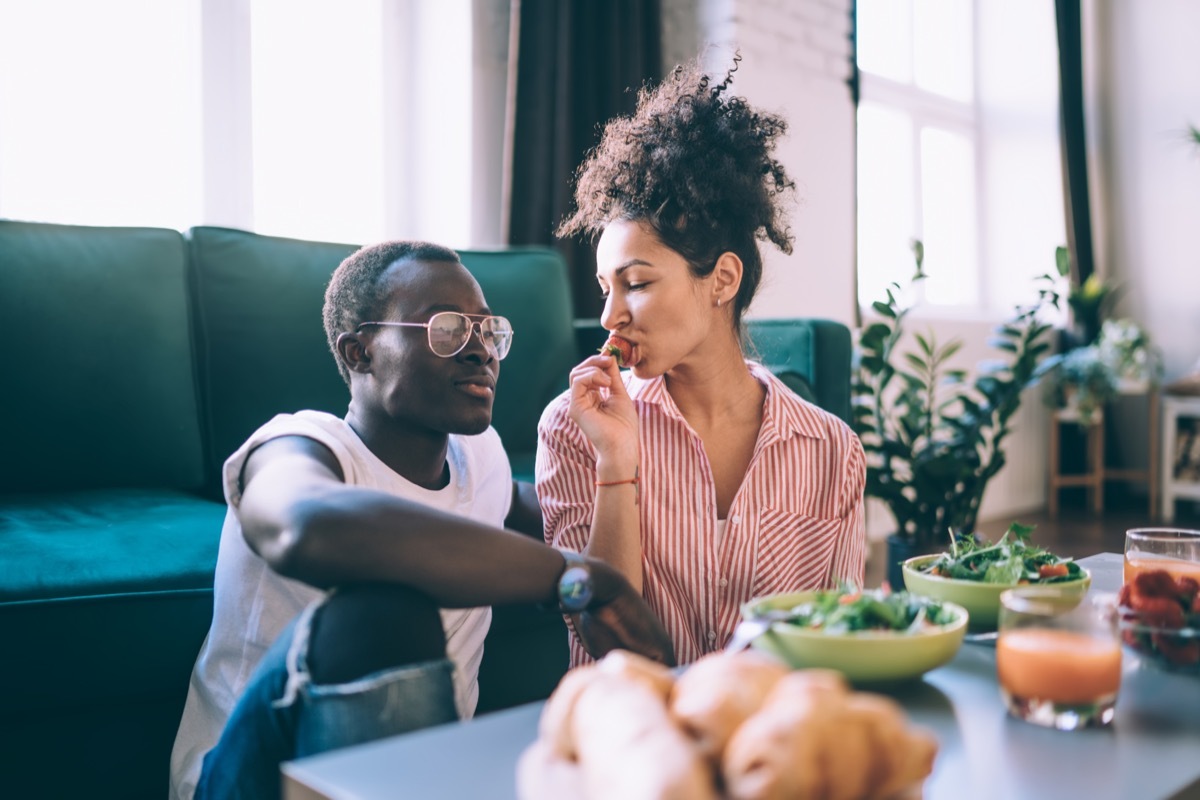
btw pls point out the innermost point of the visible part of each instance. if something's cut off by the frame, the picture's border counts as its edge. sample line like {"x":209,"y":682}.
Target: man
{"x":346,"y":540}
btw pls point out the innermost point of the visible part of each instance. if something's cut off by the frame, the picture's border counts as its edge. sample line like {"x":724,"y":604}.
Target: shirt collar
{"x":784,"y":414}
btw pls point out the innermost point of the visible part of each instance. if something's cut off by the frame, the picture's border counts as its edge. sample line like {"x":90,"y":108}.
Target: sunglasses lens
{"x":497,"y":334}
{"x":448,"y":333}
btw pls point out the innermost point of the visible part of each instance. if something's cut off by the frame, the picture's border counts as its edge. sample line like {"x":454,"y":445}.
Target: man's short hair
{"x":354,"y":295}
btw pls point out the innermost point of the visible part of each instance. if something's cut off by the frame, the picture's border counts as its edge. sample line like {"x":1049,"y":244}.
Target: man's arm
{"x":298,"y":514}
{"x":307,"y":524}
{"x":525,"y":514}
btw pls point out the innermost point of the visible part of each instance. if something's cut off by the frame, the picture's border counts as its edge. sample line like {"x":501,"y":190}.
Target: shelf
{"x":1096,"y":474}
{"x":1176,"y":408}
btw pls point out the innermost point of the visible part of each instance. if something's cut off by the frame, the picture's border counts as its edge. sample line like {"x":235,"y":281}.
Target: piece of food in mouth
{"x":618,"y":348}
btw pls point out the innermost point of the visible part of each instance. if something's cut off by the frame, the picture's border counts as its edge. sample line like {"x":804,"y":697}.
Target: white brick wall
{"x":795,"y":62}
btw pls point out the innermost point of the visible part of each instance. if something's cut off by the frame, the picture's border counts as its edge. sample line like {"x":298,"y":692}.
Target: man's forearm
{"x":349,"y":535}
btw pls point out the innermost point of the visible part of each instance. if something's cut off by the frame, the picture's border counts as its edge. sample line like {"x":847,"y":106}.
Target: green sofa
{"x":136,"y":360}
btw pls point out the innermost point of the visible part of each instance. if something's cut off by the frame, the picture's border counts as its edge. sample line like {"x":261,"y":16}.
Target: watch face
{"x":575,"y":589}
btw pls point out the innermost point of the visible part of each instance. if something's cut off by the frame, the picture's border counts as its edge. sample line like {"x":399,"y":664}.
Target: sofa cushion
{"x":82,"y":544}
{"x":94,"y":332}
{"x":261,"y":344}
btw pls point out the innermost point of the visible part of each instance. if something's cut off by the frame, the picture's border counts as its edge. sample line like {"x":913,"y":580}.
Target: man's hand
{"x":618,"y":618}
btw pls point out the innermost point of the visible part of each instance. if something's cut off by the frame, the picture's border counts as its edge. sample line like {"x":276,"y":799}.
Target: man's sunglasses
{"x":449,"y":332}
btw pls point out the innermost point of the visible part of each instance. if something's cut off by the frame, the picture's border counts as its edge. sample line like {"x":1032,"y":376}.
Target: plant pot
{"x":899,"y":550}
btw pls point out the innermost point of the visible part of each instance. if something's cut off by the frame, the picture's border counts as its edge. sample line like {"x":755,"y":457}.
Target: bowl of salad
{"x":974,"y":573}
{"x":869,"y":635}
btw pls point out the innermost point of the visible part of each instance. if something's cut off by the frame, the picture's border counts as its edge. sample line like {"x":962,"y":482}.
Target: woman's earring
{"x":718,"y":302}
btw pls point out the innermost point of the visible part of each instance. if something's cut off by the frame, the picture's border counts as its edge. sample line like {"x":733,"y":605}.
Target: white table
{"x":1151,"y":751}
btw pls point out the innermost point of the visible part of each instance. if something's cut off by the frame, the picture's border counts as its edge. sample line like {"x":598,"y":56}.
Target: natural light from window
{"x":317,"y":100}
{"x":958,"y":147}
{"x":100,"y":122}
{"x":348,"y":121}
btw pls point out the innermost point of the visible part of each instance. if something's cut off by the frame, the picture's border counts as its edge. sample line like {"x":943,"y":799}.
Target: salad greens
{"x":849,"y":609}
{"x":1011,"y":560}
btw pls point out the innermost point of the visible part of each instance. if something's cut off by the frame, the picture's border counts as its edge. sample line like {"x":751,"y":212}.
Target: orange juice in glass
{"x":1058,"y":657}
{"x":1176,"y":550}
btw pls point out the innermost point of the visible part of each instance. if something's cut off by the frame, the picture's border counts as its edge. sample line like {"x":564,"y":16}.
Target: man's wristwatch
{"x":575,"y":584}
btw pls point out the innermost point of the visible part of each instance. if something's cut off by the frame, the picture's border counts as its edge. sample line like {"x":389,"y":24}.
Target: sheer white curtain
{"x":347,"y":121}
{"x":100,"y":112}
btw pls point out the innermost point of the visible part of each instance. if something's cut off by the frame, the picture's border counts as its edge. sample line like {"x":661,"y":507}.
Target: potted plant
{"x":1128,"y":352}
{"x":1081,"y":382}
{"x":934,"y":439}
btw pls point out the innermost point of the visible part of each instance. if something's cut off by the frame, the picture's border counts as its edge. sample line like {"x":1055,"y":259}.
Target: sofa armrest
{"x":807,"y":353}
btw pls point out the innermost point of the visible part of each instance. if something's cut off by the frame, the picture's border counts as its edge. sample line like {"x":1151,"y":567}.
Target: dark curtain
{"x":578,"y":64}
{"x":1073,"y":140}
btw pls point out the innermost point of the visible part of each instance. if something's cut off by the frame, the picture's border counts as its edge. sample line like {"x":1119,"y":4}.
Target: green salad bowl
{"x":981,"y":600}
{"x":864,"y":657}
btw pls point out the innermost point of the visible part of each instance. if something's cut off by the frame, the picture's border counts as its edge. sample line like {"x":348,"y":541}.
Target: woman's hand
{"x":603,"y":410}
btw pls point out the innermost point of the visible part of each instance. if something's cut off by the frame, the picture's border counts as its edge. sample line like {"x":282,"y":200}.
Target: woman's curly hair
{"x":696,"y":165}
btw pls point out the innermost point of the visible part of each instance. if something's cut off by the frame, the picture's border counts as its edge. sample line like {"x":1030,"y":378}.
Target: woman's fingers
{"x":616,"y":385}
{"x":589,"y":380}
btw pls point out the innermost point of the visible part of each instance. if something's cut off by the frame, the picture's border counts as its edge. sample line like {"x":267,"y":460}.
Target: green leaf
{"x":916,"y":361}
{"x":1020,"y":532}
{"x":1003,"y":344}
{"x":883,"y":309}
{"x":950,"y":349}
{"x":1010,"y":570}
{"x":926,"y":348}
{"x":1062,"y":259}
{"x":918,"y":251}
{"x":875,"y":334}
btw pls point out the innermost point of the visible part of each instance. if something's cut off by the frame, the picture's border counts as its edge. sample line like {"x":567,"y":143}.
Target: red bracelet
{"x":635,"y":480}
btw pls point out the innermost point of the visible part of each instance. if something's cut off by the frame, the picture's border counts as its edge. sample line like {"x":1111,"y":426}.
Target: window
{"x":99,"y":121}
{"x":343,"y":121}
{"x":958,"y":147}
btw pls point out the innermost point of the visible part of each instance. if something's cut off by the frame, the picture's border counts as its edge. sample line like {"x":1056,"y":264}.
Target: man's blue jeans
{"x":283,"y":715}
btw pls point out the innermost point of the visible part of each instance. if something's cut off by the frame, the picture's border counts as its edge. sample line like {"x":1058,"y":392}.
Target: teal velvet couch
{"x":135,"y":361}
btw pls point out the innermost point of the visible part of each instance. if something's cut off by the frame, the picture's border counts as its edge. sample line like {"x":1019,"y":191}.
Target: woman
{"x":697,"y":474}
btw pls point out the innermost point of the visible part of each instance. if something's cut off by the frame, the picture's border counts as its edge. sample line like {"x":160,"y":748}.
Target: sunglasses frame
{"x":475,"y":322}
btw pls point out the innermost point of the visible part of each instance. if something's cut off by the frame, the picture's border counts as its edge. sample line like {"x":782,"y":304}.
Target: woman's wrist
{"x":611,"y":468}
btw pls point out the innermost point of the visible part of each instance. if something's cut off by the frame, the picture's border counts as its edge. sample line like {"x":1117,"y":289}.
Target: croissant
{"x":716,"y":694}
{"x":628,"y":748}
{"x":814,"y":739}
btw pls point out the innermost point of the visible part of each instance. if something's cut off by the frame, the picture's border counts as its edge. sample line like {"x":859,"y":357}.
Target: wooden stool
{"x":1096,"y":474}
{"x":1093,"y":478}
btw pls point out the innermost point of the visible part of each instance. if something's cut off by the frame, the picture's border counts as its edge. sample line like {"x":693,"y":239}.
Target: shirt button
{"x":712,"y":636}
{"x":723,"y":583}
{"x":735,"y":519}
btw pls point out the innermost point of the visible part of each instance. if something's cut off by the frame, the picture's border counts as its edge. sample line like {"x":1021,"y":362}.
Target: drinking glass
{"x":1058,"y":657}
{"x":1177,"y":550}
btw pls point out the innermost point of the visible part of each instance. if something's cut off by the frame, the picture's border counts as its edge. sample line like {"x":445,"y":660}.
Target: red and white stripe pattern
{"x":796,"y":522}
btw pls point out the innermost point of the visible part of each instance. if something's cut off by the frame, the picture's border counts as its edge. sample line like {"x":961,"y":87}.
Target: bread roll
{"x":779,"y":752}
{"x":814,"y":739}
{"x":639,"y":668}
{"x":717,"y":693}
{"x":554,"y":726}
{"x":542,"y":774}
{"x":901,"y":756}
{"x":628,"y":748}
